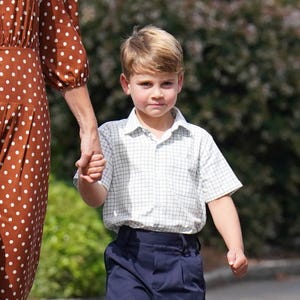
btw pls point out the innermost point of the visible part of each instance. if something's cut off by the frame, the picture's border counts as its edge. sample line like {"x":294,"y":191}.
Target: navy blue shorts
{"x":147,"y":265}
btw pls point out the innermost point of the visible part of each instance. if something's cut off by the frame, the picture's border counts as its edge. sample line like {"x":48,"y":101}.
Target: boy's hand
{"x":93,"y":170}
{"x":237,"y":262}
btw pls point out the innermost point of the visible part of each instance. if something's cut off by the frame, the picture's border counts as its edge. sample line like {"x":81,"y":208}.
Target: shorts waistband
{"x":128,"y":235}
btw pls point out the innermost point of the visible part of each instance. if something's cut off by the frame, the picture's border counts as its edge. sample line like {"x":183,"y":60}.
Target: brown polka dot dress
{"x":39,"y":42}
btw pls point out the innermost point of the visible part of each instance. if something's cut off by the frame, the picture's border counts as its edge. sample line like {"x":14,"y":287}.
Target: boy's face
{"x":153,"y":95}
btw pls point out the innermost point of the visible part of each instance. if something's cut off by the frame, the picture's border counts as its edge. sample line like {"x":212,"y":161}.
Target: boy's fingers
{"x":95,"y":171}
{"x":97,"y":164}
{"x":92,"y":178}
{"x":97,"y":157}
{"x":240,"y":265}
{"x":231,"y":257}
{"x":87,"y":178}
{"x":241,"y":271}
{"x":95,"y":176}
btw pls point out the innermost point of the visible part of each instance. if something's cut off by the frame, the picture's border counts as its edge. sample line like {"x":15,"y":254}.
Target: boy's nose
{"x":157,"y":93}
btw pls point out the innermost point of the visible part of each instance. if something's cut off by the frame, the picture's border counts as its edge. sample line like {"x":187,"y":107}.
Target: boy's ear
{"x":125,"y":84}
{"x":180,"y":81}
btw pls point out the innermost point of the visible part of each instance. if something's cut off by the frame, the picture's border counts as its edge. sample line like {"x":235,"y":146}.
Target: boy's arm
{"x":227,"y":222}
{"x":94,"y":194}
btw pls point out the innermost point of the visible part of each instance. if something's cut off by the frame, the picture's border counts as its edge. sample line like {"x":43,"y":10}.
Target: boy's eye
{"x":168,"y":83}
{"x":145,"y":83}
{"x":165,"y":84}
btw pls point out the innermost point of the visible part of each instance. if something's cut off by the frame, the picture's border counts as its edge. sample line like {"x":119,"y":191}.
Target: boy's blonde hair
{"x":151,"y":49}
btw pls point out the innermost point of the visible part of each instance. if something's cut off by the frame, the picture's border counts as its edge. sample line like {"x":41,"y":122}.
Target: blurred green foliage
{"x":71,"y":263}
{"x":242,"y":84}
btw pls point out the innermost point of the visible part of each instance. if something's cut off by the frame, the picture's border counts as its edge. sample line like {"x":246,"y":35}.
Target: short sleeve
{"x":107,"y":149}
{"x":63,"y":56}
{"x":217,"y":177}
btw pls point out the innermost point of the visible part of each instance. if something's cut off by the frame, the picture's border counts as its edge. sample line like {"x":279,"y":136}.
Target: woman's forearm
{"x":79,"y":102}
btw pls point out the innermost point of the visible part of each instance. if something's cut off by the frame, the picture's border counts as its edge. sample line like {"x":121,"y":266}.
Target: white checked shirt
{"x":161,"y":184}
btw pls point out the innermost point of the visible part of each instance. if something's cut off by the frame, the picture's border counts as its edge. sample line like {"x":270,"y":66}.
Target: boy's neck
{"x":157,"y":126}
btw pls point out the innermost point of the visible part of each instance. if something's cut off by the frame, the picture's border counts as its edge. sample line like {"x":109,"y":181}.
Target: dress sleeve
{"x":63,"y":56}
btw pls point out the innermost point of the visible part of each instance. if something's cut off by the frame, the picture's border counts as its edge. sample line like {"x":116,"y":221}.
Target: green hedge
{"x":71,"y":263}
{"x":242,"y":83}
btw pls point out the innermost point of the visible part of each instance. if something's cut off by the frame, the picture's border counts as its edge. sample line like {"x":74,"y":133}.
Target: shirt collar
{"x":179,"y":121}
{"x":134,"y":124}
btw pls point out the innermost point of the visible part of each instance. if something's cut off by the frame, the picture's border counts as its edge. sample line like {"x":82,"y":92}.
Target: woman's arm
{"x":227,"y":222}
{"x":79,"y":103}
{"x":65,"y":67}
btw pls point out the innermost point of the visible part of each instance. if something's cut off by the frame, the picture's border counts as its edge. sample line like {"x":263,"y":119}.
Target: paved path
{"x":259,"y":284}
{"x":284,"y":289}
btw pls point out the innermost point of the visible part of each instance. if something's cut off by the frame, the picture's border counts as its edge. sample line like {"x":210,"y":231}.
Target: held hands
{"x":237,"y":262}
{"x":91,"y":162}
{"x":91,"y":167}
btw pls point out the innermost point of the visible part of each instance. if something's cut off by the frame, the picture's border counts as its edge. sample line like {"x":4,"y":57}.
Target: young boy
{"x":160,"y":173}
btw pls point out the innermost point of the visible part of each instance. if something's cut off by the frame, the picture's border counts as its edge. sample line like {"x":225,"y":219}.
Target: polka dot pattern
{"x":39,"y":41}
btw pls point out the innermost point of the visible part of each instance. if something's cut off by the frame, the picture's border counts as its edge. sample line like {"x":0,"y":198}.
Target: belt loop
{"x":198,"y":244}
{"x":123,"y":235}
{"x":185,"y":249}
